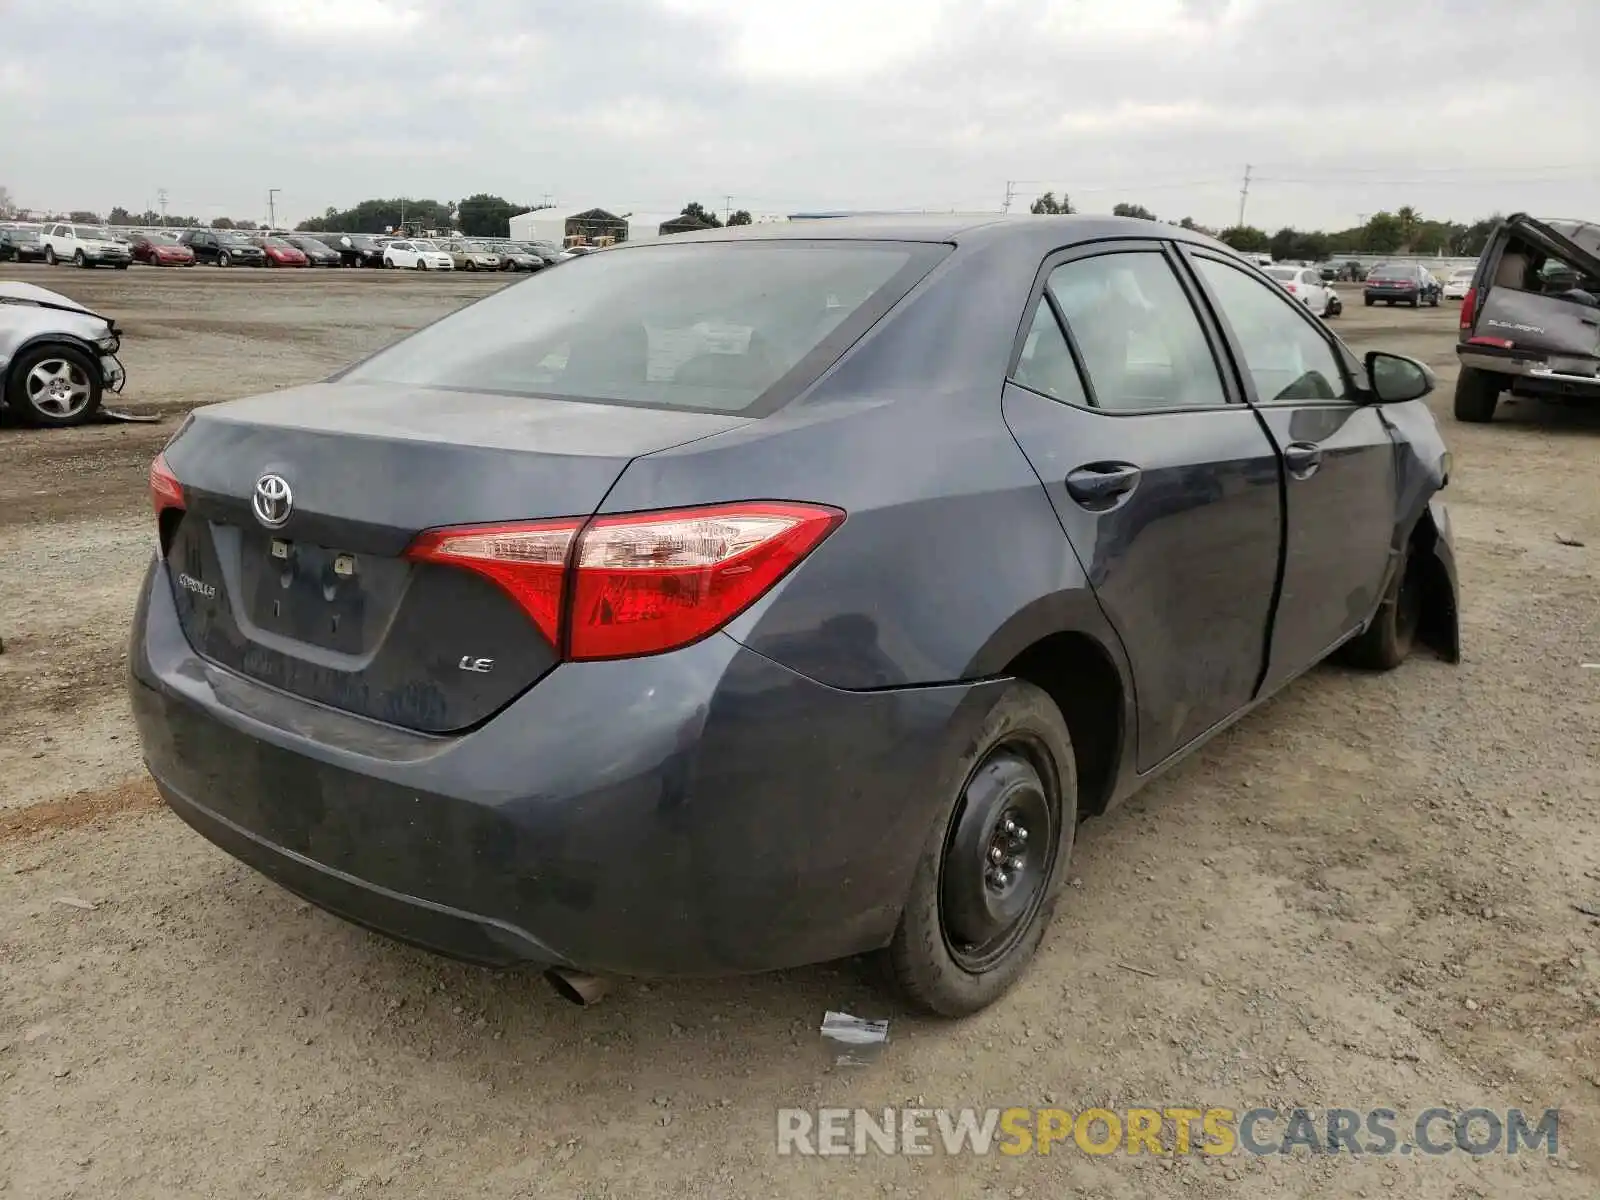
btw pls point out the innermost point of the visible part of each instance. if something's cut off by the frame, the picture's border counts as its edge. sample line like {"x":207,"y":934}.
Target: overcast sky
{"x":1459,"y":107}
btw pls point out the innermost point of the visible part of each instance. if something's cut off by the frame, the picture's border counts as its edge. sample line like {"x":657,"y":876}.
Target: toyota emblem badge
{"x":273,"y":501}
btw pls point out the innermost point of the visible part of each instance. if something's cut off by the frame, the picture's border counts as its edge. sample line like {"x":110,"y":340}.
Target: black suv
{"x":1530,"y":324}
{"x":223,"y":247}
{"x":1403,"y":283}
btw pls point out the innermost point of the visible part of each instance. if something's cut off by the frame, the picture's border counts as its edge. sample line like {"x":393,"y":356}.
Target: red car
{"x":281,"y":254}
{"x":160,"y":250}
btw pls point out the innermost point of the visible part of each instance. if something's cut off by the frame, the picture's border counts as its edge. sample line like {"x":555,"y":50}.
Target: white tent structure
{"x":550,"y":224}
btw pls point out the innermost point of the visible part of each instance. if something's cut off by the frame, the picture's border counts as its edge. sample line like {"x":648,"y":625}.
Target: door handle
{"x":1101,"y":484}
{"x":1303,"y":458}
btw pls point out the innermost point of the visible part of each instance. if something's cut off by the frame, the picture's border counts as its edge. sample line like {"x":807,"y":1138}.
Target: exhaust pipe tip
{"x":576,"y":987}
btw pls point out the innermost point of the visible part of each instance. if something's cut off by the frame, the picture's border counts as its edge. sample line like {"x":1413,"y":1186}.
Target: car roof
{"x":1049,"y":232}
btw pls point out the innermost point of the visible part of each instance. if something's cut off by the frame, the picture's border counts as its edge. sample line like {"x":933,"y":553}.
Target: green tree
{"x":1192,"y":224}
{"x":1132,"y":210}
{"x":374,"y":216}
{"x":1409,"y":222}
{"x":1284,"y":243}
{"x":697,"y":211}
{"x":740,"y":217}
{"x":1471,"y":239}
{"x":222,"y":223}
{"x":84,"y":216}
{"x":483,"y":215}
{"x":1048,"y":205}
{"x":1384,"y":234}
{"x":119,"y":216}
{"x":1246,"y":238}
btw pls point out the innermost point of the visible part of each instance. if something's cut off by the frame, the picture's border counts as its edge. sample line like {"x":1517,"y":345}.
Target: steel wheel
{"x":78,"y":259}
{"x":57,"y":388}
{"x":998,"y":856}
{"x":223,"y":259}
{"x":49,"y":256}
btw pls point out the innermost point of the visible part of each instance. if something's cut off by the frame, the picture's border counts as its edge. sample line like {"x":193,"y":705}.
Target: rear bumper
{"x":1531,"y":375}
{"x":701,"y":812}
{"x":1393,"y":294}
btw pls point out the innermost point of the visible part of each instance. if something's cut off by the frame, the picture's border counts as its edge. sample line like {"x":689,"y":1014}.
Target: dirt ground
{"x":1361,"y":896}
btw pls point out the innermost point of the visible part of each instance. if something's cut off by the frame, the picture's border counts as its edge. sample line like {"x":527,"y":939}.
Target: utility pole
{"x":161,"y":197}
{"x":727,"y":212}
{"x":402,"y":230}
{"x":1244,"y":194}
{"x":272,"y":207}
{"x":1011,"y":190}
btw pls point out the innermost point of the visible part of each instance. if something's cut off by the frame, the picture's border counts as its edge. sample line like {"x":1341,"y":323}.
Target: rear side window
{"x":1141,"y":341}
{"x":1045,"y":364}
{"x":707,"y":326}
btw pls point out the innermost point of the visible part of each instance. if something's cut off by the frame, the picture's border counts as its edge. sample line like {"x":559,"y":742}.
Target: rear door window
{"x":708,"y":326}
{"x":1141,"y":342}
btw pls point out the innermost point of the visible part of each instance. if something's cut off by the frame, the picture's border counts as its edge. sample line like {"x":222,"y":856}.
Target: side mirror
{"x":1396,"y":378}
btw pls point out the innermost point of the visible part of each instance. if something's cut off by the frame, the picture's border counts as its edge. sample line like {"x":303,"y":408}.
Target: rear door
{"x":1339,"y":464}
{"x":1526,"y":308}
{"x":1165,"y":484}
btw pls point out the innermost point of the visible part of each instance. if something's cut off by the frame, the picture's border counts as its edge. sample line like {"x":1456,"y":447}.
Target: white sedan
{"x":1306,"y":286}
{"x":1459,"y":284}
{"x":418,"y":255}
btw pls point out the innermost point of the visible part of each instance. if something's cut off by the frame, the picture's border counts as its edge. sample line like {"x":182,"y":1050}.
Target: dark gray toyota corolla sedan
{"x":743,"y":600}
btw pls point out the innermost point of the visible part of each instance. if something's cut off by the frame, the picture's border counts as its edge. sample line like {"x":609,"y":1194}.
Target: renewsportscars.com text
{"x":1166,"y":1131}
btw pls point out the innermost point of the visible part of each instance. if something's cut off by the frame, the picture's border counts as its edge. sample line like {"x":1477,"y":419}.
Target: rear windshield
{"x":707,"y":326}
{"x":1282,"y":273}
{"x":1394,"y":273}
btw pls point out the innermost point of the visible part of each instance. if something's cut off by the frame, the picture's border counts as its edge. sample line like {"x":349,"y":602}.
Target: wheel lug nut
{"x":996,"y":854}
{"x":1016,"y":864}
{"x":1022,"y":833}
{"x":1001,"y":879}
{"x":1010,"y":825}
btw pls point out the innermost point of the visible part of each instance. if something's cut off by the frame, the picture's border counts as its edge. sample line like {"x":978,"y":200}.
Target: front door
{"x":1165,"y":484}
{"x":1339,"y":465}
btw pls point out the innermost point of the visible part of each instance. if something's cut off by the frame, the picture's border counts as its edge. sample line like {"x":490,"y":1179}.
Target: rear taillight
{"x":1292,"y":289}
{"x":528,"y":560}
{"x":656,"y":581}
{"x":1469,"y":306}
{"x":643,"y":583}
{"x":165,"y":490}
{"x":1501,"y":343}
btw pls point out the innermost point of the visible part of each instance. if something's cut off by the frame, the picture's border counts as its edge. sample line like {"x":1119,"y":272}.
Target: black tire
{"x":1434,"y":301}
{"x":956,"y":885}
{"x":1388,"y":640}
{"x":49,"y":256}
{"x":122,"y":266}
{"x":79,"y":261}
{"x":1369,"y":301}
{"x":1477,"y":395}
{"x":1416,"y":301}
{"x":420,"y":265}
{"x":25,"y":407}
{"x":471,"y":266}
{"x":224,"y":259}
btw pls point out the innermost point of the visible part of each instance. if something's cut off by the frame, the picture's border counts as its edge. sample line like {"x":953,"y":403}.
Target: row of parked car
{"x":96,"y":246}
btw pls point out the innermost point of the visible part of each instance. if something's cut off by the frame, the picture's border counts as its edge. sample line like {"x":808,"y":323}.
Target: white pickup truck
{"x":85,"y":246}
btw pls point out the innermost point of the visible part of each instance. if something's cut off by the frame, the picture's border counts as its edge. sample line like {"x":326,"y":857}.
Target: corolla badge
{"x":273,"y":501}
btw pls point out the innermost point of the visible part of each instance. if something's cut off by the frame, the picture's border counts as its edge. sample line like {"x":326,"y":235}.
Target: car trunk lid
{"x":312,"y":592}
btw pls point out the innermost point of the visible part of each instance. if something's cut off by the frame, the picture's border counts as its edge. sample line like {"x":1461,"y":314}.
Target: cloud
{"x":644,"y":104}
